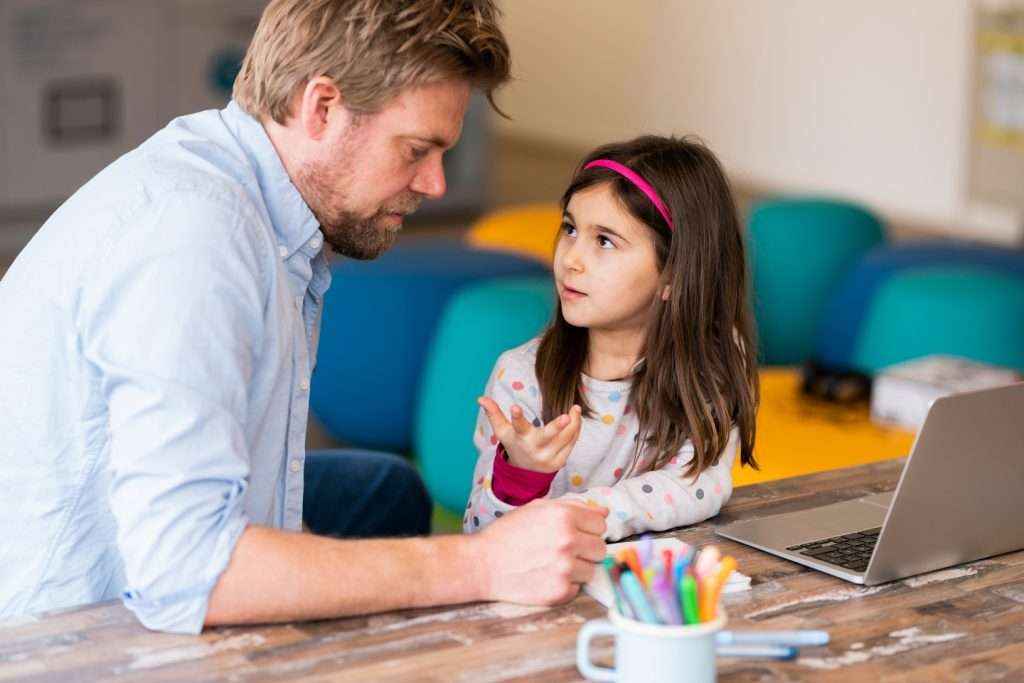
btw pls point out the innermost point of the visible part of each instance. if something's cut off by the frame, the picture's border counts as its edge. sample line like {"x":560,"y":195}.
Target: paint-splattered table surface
{"x":962,"y":624}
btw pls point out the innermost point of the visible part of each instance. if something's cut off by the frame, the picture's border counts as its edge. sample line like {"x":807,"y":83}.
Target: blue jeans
{"x":363,"y":494}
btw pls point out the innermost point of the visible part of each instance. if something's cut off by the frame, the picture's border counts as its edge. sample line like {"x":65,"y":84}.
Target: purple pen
{"x":666,"y":601}
{"x":646,"y":550}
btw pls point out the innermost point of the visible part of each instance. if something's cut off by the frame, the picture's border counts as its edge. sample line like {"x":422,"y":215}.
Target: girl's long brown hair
{"x":698,"y":375}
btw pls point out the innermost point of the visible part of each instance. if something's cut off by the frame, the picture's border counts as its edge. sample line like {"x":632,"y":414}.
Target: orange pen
{"x":711,"y":588}
{"x":633,"y":561}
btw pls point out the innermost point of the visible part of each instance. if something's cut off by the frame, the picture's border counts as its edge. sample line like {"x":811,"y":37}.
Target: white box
{"x":902,"y":393}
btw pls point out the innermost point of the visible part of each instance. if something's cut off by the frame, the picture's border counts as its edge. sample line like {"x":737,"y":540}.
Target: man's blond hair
{"x":372,"y":49}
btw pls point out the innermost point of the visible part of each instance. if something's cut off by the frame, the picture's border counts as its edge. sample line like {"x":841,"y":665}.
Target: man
{"x":161,"y":328}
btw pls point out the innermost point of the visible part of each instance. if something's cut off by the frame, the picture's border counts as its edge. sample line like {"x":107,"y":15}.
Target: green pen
{"x":608,"y":563}
{"x":688,"y":596}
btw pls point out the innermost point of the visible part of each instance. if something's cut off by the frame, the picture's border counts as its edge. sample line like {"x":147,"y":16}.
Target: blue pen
{"x":682,"y":562}
{"x":637,"y":599}
{"x":788,"y":638}
{"x":756,"y":651}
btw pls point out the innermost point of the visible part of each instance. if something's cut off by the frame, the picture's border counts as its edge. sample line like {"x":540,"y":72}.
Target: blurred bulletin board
{"x":997,"y":139}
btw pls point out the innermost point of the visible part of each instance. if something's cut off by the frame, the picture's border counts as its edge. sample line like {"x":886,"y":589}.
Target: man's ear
{"x":318,"y":100}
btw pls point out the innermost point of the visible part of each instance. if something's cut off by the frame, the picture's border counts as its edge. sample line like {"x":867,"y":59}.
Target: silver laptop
{"x":960,"y":498}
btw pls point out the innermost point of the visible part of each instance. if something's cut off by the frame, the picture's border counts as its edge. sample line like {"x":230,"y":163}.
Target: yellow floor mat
{"x":799,"y":435}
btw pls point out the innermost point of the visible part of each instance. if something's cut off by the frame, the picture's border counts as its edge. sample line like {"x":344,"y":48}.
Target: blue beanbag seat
{"x":378,"y":321}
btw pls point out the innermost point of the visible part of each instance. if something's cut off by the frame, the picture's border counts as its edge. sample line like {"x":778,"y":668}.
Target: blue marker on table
{"x":756,"y":651}
{"x":637,"y":599}
{"x":787,"y":638}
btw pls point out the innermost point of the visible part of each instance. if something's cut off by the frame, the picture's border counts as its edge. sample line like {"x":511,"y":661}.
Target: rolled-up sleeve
{"x":172,"y":320}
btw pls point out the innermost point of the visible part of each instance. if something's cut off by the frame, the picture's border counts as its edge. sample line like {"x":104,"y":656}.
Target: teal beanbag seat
{"x":799,"y":251}
{"x":479,"y":323}
{"x":969,"y":312}
{"x":844,"y":315}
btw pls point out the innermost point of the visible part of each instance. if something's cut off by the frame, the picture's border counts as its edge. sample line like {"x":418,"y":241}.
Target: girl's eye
{"x":569,"y":229}
{"x":605,"y":242}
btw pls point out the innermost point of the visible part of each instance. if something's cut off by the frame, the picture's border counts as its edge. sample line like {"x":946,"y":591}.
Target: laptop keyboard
{"x":850,"y":551}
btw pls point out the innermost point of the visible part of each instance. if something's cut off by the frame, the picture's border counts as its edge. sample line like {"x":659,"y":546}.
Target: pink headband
{"x":641,"y":184}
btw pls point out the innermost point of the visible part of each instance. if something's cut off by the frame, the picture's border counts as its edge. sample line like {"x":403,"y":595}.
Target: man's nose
{"x":429,"y":180}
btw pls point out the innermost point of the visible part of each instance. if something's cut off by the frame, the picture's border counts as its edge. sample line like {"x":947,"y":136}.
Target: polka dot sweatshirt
{"x":593,"y":474}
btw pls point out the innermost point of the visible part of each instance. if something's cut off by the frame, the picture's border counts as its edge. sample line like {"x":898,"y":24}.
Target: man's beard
{"x":346,"y":232}
{"x":362,"y":238}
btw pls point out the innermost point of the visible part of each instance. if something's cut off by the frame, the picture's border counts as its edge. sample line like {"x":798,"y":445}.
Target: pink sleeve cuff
{"x":516,"y":486}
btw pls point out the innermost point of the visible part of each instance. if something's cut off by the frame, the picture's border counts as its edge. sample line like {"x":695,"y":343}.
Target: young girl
{"x":639,"y":395}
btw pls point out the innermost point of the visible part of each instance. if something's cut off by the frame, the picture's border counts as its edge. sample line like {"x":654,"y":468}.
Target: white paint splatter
{"x":944,"y":575}
{"x":834,"y":596}
{"x":388,"y":623}
{"x":534,"y":626}
{"x":18,"y":621}
{"x":528,"y":668}
{"x":507,"y":610}
{"x":1013,"y":592}
{"x":907,"y":639}
{"x":146,"y":658}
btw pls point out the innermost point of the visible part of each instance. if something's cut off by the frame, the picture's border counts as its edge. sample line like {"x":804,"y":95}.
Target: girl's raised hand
{"x":541,"y":449}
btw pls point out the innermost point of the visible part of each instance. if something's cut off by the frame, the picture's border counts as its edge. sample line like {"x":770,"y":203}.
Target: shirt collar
{"x":293,"y":222}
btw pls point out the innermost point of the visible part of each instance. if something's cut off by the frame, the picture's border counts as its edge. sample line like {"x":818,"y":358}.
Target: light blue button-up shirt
{"x":159,"y":333}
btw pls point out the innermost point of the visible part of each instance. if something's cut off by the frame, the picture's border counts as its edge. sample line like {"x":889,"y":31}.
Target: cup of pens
{"x":665,"y":617}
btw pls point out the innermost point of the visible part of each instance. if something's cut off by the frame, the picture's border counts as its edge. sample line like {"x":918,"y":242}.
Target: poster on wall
{"x":1001,"y":50}
{"x":997,"y":142}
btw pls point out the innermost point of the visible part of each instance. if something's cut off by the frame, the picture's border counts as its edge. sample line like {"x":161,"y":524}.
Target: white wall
{"x":865,"y":99}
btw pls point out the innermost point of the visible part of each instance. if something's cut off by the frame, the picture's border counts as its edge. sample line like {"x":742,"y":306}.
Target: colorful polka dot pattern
{"x":596,"y":473}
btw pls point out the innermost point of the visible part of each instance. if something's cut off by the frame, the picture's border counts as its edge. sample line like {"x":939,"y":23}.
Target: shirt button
{"x":296,"y":465}
{"x":282,"y":250}
{"x":315,"y":243}
{"x":298,"y":302}
{"x":304,"y":383}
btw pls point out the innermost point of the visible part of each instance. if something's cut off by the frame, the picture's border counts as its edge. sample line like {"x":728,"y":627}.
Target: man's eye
{"x":417,"y":153}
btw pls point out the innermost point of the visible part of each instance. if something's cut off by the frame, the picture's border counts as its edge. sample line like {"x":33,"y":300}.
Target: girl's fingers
{"x":499,"y":424}
{"x":519,"y":421}
{"x":551,"y":429}
{"x":564,"y":441}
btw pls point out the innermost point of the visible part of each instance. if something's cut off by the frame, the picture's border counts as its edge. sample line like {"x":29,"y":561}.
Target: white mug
{"x":651,"y":653}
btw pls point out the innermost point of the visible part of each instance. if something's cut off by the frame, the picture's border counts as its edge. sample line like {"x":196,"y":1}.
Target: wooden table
{"x":962,"y":624}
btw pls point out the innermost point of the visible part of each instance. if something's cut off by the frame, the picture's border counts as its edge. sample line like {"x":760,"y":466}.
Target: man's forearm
{"x":285,"y":576}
